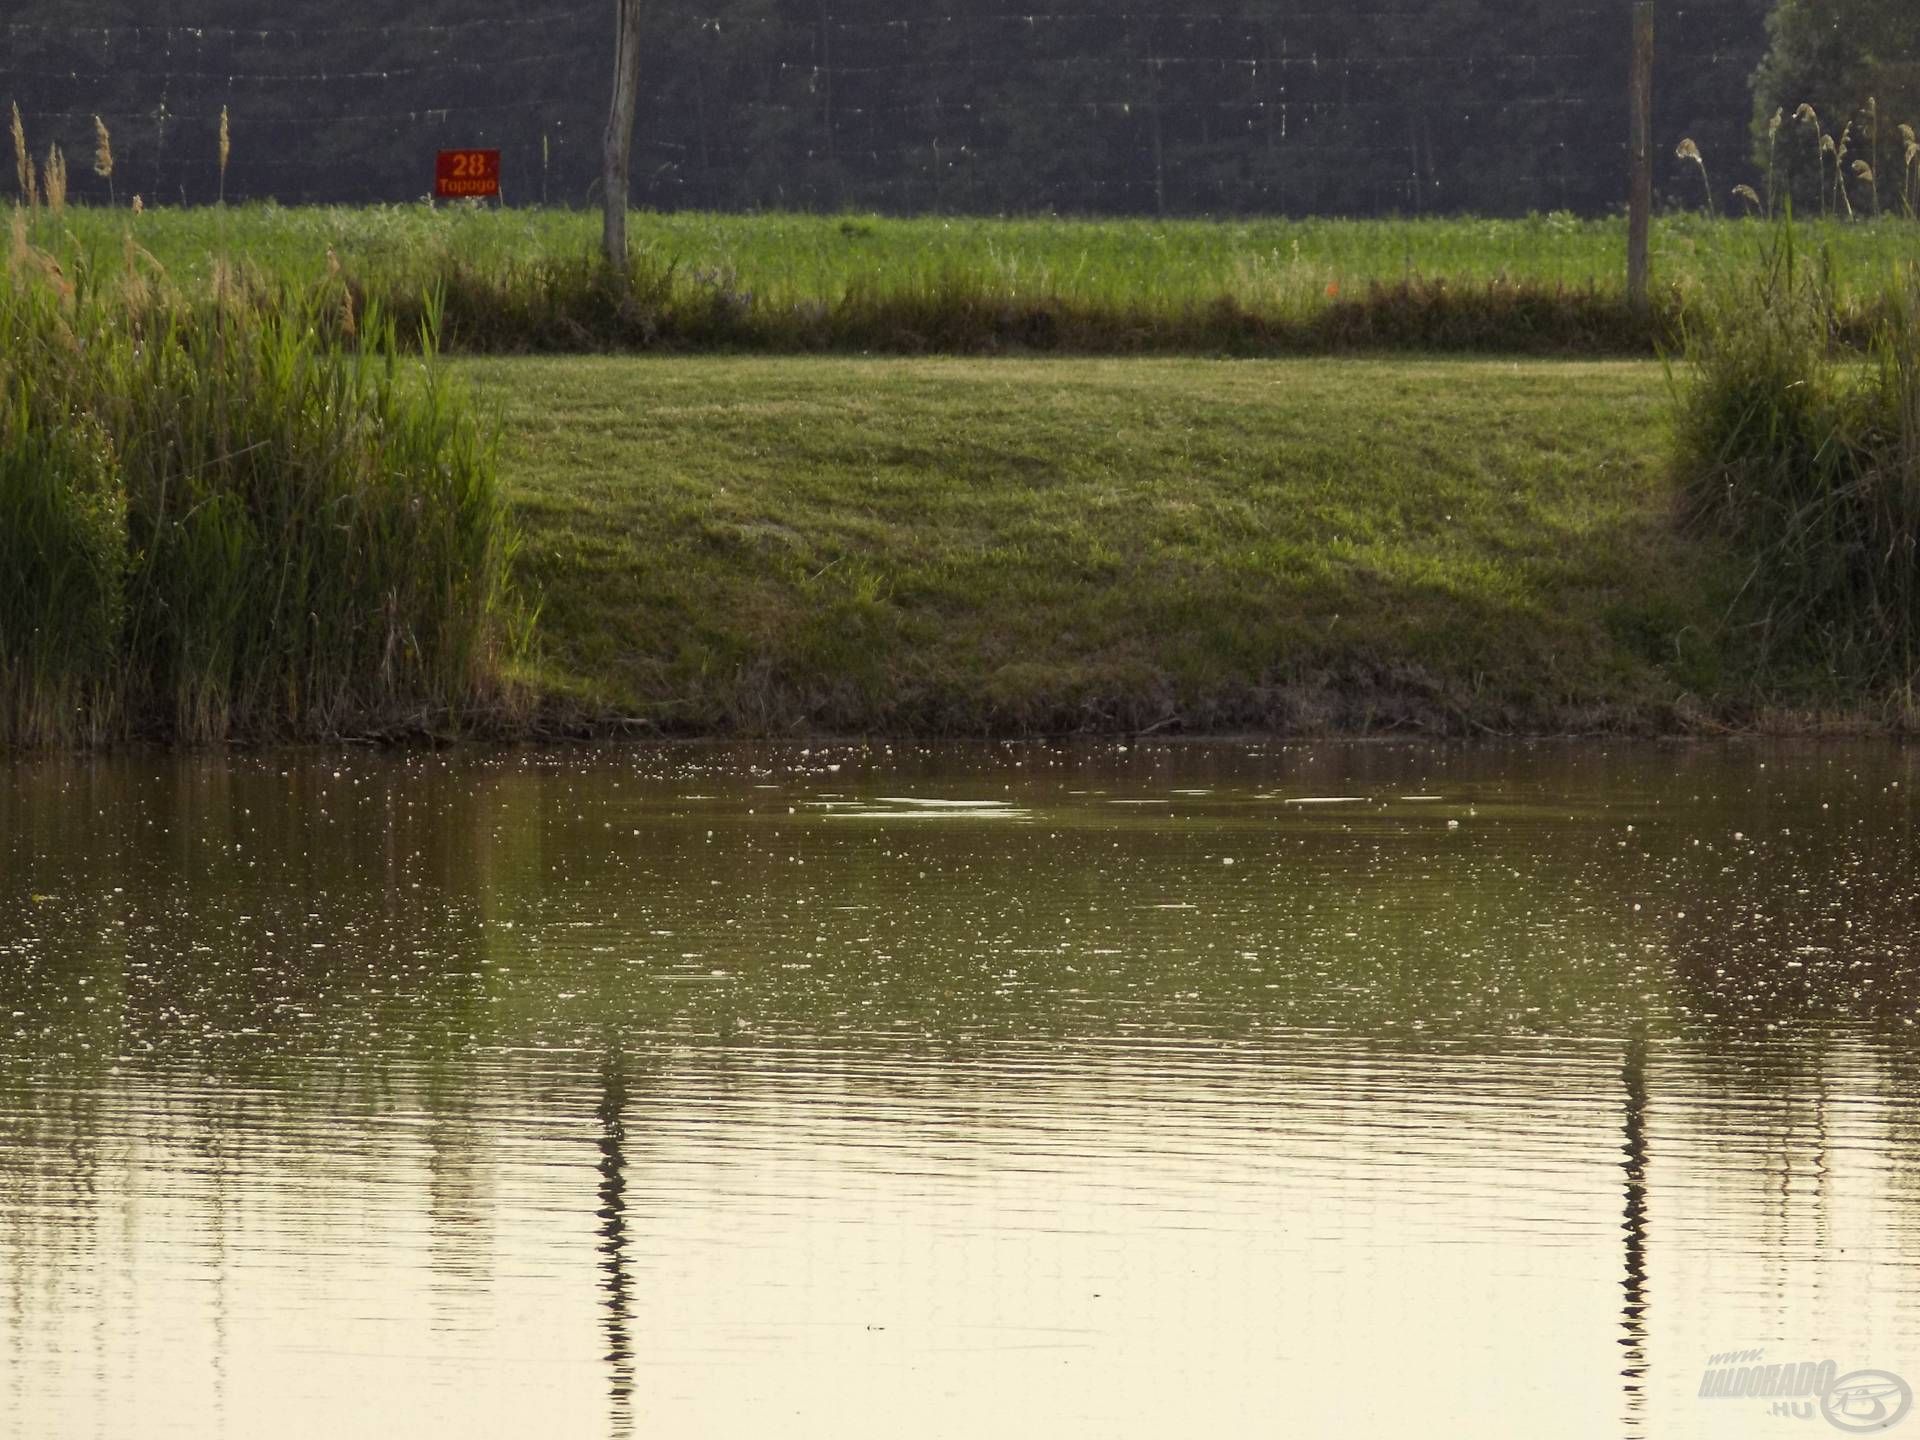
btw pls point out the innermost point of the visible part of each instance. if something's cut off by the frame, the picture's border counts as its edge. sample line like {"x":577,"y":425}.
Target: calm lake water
{"x":1267,"y":1090}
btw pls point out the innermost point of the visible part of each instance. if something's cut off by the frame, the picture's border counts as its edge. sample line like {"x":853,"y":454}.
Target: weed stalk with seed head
{"x":1773,"y":136}
{"x":1687,"y":150}
{"x":1822,"y":144}
{"x":54,"y":180}
{"x":103,"y":156}
{"x":1910,"y":174}
{"x":22,"y":159}
{"x":1840,"y":153}
{"x":1873,"y":152}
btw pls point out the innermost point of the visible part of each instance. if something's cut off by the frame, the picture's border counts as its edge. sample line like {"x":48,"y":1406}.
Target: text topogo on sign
{"x":467,"y":174}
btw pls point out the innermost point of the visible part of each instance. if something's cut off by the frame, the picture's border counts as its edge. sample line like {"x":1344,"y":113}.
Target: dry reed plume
{"x":1687,"y":150}
{"x":103,"y":155}
{"x":1773,"y":138}
{"x":54,"y":180}
{"x":23,"y":161}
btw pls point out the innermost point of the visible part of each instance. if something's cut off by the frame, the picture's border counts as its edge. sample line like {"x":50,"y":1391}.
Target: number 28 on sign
{"x":467,"y":174}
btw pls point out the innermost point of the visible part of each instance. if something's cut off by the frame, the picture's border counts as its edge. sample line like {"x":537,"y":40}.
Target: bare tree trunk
{"x":619,"y":142}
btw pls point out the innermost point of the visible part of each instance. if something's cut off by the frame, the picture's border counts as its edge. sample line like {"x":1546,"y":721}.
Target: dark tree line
{"x":1856,"y":65}
{"x":1100,"y":106}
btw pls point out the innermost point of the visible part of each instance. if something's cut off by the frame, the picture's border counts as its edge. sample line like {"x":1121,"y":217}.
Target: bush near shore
{"x":1805,"y":454}
{"x":216,"y":523}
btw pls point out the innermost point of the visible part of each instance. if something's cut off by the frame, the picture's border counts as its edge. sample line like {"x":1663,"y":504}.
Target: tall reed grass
{"x":221,"y":520}
{"x":1806,"y":452}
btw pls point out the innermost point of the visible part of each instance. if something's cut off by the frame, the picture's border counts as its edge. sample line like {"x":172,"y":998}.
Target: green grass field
{"x":768,"y":546}
{"x":517,"y":280}
{"x":791,"y":259}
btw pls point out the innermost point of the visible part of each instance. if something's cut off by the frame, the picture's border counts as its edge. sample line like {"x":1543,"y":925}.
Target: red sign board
{"x":467,"y":174}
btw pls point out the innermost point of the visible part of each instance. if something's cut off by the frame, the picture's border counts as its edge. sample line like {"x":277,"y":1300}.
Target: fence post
{"x":618,"y":152}
{"x":1640,"y":157}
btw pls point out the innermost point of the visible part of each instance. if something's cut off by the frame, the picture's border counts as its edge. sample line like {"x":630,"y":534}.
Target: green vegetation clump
{"x":515,"y":281}
{"x":63,"y":565}
{"x":215,"y":522}
{"x":1806,"y":455}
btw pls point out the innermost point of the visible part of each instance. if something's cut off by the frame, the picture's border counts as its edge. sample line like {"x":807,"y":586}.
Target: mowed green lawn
{"x":768,"y":545}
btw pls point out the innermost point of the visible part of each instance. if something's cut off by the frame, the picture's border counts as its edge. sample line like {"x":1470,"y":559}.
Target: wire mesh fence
{"x":1221,"y":107}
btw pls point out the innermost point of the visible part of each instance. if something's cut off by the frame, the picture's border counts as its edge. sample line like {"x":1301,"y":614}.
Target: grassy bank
{"x":523,"y":280}
{"x":951,"y":547}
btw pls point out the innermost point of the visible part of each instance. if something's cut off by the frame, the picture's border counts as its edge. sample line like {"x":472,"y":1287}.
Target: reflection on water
{"x":613,"y":1239}
{"x":1369,"y":1090}
{"x":1634,"y":1312}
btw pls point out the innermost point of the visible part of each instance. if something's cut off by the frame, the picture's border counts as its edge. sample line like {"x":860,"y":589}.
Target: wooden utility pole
{"x":1640,"y":156}
{"x":619,"y":141}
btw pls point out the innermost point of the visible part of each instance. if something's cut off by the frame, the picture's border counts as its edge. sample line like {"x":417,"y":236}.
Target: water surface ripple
{"x":1370,"y":1090}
